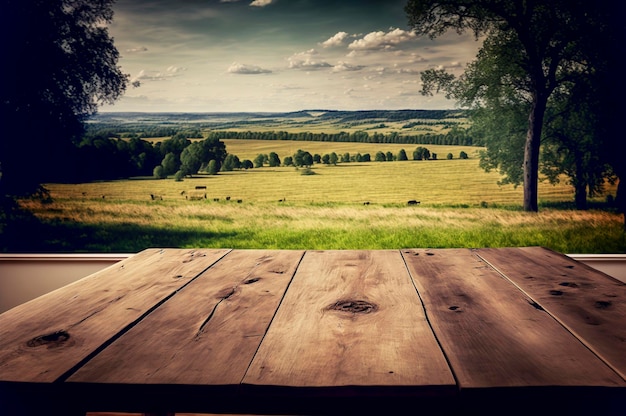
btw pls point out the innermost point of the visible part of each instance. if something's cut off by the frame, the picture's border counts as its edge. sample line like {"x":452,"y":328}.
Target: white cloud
{"x":175,"y":69}
{"x":304,"y":60}
{"x":137,"y":50}
{"x":450,"y":65}
{"x":335,"y":40}
{"x":170,"y":72}
{"x":415,"y":58}
{"x":343,"y":67}
{"x":410,"y":71}
{"x":261,"y":3}
{"x":237,"y":68}
{"x":382,"y":40}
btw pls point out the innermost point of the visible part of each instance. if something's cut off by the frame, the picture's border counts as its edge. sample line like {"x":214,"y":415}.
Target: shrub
{"x":421,"y":153}
{"x":159,"y":172}
{"x":211,"y":168}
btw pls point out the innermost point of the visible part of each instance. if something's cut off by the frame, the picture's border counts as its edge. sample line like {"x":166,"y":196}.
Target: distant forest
{"x":457,"y":137}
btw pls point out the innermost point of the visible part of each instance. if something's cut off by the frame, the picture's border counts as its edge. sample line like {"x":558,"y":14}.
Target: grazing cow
{"x":155,"y":197}
{"x":413,"y":202}
{"x":228,"y":198}
{"x":216,"y":200}
{"x":366,"y":203}
{"x":239,"y":201}
{"x":195,"y":196}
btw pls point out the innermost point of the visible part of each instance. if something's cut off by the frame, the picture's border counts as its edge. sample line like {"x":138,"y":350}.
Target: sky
{"x":277,"y":56}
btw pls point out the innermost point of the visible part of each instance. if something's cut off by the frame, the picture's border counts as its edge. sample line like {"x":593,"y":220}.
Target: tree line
{"x":455,"y":137}
{"x":104,"y":155}
{"x":303,"y":158}
{"x":98,"y":157}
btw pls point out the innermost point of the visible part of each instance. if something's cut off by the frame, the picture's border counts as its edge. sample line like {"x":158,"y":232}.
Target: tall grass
{"x":129,"y":226}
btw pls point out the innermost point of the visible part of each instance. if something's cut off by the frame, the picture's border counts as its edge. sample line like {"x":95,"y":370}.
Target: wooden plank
{"x":350,"y":320}
{"x":207,"y":334}
{"x":493,"y":335}
{"x":42,"y":340}
{"x":589,"y":303}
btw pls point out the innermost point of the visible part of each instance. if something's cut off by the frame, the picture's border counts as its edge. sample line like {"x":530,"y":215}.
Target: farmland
{"x":356,"y":205}
{"x":434,"y":183}
{"x":351,"y":205}
{"x":315,"y":121}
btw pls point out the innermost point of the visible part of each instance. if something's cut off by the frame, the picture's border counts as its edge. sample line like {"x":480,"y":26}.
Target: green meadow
{"x":347,"y":206}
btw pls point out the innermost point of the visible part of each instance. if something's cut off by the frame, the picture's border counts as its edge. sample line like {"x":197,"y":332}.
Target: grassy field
{"x":249,"y":149}
{"x":348,"y":206}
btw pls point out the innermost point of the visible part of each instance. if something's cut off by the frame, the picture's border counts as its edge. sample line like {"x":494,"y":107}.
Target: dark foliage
{"x":60,"y":64}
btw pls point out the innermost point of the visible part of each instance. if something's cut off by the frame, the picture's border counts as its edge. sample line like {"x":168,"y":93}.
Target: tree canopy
{"x":531,"y":49}
{"x":60,"y":65}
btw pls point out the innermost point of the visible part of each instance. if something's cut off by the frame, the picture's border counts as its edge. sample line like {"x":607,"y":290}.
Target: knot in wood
{"x":353,"y":306}
{"x":52,"y":340}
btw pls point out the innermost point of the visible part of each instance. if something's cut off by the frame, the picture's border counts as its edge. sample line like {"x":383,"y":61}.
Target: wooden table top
{"x":288,"y":331}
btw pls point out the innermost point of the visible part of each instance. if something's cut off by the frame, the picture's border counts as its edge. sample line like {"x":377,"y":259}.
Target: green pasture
{"x":348,"y":206}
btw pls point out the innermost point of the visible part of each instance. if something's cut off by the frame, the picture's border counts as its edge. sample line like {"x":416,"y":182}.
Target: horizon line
{"x":272,"y":112}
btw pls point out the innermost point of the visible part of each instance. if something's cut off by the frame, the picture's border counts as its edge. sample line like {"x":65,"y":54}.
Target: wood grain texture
{"x":208,"y":333}
{"x":589,"y":303}
{"x":494,"y":335}
{"x":41,"y":340}
{"x":350,"y":318}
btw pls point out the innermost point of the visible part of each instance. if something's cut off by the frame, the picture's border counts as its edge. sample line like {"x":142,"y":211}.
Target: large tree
{"x":59,"y":66}
{"x":538,"y":41}
{"x":198,"y":155}
{"x":574,"y":139}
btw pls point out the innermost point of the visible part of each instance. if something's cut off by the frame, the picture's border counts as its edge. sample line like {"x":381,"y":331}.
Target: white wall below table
{"x":26,"y":276}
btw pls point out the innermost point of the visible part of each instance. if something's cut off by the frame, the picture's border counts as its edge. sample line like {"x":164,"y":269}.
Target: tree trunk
{"x":580,"y":183}
{"x":531,"y":152}
{"x":580,"y":196}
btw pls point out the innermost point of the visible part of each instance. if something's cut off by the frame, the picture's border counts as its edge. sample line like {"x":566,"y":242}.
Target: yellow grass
{"x":249,"y":149}
{"x":433,"y":183}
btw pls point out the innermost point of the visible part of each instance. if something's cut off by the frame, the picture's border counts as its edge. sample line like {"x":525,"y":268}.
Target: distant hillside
{"x":393,"y":115}
{"x":327,"y":115}
{"x":373,"y":126}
